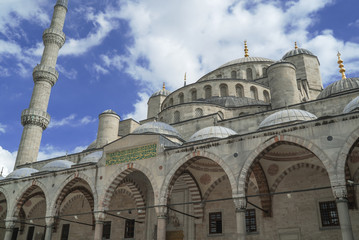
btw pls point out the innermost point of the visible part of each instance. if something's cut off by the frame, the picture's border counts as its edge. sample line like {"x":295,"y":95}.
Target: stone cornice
{"x":53,"y":35}
{"x":35,"y":117}
{"x":45,"y":73}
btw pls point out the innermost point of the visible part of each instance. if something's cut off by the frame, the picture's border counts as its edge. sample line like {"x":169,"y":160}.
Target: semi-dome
{"x":352,"y":105}
{"x":92,"y":157}
{"x":57,"y":165}
{"x":162,"y":92}
{"x":246,"y":60}
{"x":287,"y":116}
{"x":339,"y":86}
{"x":212,"y":132}
{"x":20,"y":173}
{"x":297,"y":51}
{"x":157,"y":127}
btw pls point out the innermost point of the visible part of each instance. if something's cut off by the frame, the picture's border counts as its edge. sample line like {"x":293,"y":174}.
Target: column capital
{"x":10,"y":223}
{"x":99,"y":217}
{"x":240,"y":203}
{"x":340,"y":192}
{"x":49,"y":221}
{"x":161,"y":211}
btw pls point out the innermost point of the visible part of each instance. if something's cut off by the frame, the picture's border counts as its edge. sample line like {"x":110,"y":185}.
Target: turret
{"x":283,"y":84}
{"x":35,"y":119}
{"x":108,"y":127}
{"x":155,"y":102}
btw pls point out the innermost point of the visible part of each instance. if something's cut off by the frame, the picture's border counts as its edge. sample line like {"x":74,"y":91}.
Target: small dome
{"x":212,"y":132}
{"x":297,"y":52}
{"x":287,"y":116}
{"x":109,"y":111}
{"x":352,"y":105}
{"x":246,"y":60}
{"x":57,"y":165}
{"x":162,"y":92}
{"x":339,"y":86}
{"x":22,"y":172}
{"x":92,"y":157}
{"x":92,"y":145}
{"x":157,"y":127}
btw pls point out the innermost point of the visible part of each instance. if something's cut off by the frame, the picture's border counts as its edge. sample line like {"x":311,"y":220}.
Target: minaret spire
{"x":185,"y":78}
{"x":341,"y":66}
{"x":35,"y":119}
{"x":245,"y":49}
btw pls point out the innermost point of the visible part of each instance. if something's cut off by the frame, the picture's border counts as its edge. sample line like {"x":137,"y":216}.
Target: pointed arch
{"x":195,"y":192}
{"x":137,"y":196}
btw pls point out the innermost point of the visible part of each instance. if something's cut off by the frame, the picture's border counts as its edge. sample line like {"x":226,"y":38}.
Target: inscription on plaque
{"x":131,"y":155}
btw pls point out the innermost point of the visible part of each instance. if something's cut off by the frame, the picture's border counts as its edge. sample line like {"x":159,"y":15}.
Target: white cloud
{"x":140,"y":106}
{"x":7,"y":161}
{"x":99,"y":69}
{"x":71,"y":121}
{"x":49,"y":151}
{"x":2,"y":128}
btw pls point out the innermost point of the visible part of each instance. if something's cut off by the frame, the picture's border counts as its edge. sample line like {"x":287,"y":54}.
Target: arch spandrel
{"x":118,"y":176}
{"x":74,"y":178}
{"x":187,"y":160}
{"x":271,"y":142}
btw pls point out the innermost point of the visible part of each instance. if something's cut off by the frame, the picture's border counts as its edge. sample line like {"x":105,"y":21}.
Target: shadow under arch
{"x":183,"y":163}
{"x":273,"y":142}
{"x":118,"y":176}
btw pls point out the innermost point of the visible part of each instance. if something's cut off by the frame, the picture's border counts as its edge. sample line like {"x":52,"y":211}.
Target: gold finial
{"x":295,"y":45}
{"x":163,"y":87}
{"x":185,"y":78}
{"x":341,"y":66}
{"x":245,"y":49}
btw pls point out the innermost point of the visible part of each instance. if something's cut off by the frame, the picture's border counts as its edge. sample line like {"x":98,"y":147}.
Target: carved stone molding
{"x":340,"y":192}
{"x":240,"y":203}
{"x":62,"y":3}
{"x":161,"y":211}
{"x":35,"y":117}
{"x":53,"y":35}
{"x":45,"y":73}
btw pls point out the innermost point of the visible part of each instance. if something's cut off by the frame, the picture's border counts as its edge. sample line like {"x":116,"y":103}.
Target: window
{"x":266,"y":96}
{"x":171,"y":102}
{"x":15,"y":231}
{"x":219,"y":76}
{"x":129,"y":228}
{"x":264,"y":70}
{"x":251,"y":225}
{"x":207,"y":92}
{"x":249,"y":74}
{"x":176,"y":117}
{"x":194,"y":94}
{"x":254,"y":93}
{"x":215,"y":223}
{"x":329,"y":214}
{"x":65,"y":231}
{"x":223,"y":90}
{"x":181,"y":98}
{"x":106,"y":233}
{"x":233,"y":74}
{"x":239,"y":90}
{"x":198,"y":112}
{"x":30,"y":233}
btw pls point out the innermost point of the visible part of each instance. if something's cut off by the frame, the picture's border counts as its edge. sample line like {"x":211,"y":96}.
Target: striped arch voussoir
{"x":137,"y":196}
{"x":195,"y":194}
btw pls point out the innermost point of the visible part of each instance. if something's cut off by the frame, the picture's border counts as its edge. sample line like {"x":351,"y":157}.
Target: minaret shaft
{"x":35,"y":119}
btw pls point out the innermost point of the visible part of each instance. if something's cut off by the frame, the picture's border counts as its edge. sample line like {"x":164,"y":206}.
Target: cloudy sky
{"x":118,"y":52}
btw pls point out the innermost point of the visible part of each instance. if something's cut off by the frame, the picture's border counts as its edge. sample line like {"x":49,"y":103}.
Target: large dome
{"x":157,"y":127}
{"x":297,"y":51}
{"x":339,"y":86}
{"x":234,"y":101}
{"x":352,"y":105}
{"x":57,"y":165}
{"x":287,"y":116}
{"x":212,"y":132}
{"x":20,"y":173}
{"x":246,"y":60}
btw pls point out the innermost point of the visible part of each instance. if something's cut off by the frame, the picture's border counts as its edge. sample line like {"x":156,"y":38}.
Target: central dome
{"x":247,"y":60}
{"x":157,"y":127}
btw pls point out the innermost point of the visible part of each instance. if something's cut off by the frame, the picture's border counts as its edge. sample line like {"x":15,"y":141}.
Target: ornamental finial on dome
{"x":185,"y":78}
{"x":164,"y":86}
{"x":341,"y":66}
{"x":245,"y":49}
{"x":295,"y":45}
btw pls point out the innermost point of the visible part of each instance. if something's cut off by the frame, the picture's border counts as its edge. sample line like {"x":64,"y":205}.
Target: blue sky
{"x":119,"y":52}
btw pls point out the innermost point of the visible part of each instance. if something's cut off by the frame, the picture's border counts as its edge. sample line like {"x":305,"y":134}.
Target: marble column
{"x":343,"y":213}
{"x":161,"y":222}
{"x":241,"y":205}
{"x":49,"y":228}
{"x":9,"y":225}
{"x":99,"y":218}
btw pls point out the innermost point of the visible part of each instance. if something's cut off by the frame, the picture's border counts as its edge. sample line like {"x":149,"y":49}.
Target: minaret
{"x":35,"y":119}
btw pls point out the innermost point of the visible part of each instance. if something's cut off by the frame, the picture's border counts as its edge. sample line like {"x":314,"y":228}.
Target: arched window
{"x":254,"y":93}
{"x":219,"y":76}
{"x":198,"y":112}
{"x":266,"y":96}
{"x":194,"y":94}
{"x":233,"y":74}
{"x":181,"y":98}
{"x":171,"y":102}
{"x":223,"y":90}
{"x":239,"y":91}
{"x":264,"y":70}
{"x":176,"y":117}
{"x":249,"y":74}
{"x":207,"y":91}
